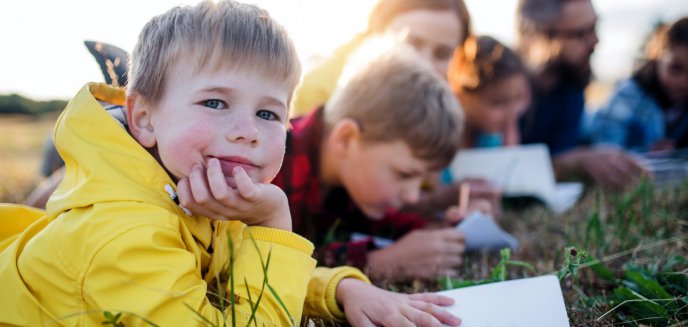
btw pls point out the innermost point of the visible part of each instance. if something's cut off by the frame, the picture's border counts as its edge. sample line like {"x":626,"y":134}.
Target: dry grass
{"x":21,"y":144}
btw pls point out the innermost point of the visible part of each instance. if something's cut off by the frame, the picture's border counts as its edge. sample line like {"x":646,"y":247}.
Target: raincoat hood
{"x":116,"y":162}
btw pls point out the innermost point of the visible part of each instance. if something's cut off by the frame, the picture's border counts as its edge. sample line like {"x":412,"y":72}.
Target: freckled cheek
{"x":186,"y":146}
{"x":274,"y":138}
{"x":274,"y":147}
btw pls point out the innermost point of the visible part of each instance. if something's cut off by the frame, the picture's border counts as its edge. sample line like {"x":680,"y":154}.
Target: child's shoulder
{"x":102,"y":224}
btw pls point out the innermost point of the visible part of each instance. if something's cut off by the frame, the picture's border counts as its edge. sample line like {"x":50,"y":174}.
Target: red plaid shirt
{"x":326,"y":215}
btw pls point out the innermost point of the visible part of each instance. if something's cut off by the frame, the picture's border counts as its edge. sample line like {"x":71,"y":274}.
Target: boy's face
{"x":381,"y":177}
{"x":236,"y":116}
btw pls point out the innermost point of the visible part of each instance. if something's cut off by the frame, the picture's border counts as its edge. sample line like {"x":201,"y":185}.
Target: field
{"x":21,"y":143}
{"x":631,"y":253}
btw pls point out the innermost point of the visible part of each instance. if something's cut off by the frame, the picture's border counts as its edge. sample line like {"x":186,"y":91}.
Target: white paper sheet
{"x":481,"y":231}
{"x":529,"y":302}
{"x":520,"y":171}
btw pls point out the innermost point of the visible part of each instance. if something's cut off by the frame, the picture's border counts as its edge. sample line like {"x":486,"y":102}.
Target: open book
{"x":520,"y":171}
{"x":528,"y":302}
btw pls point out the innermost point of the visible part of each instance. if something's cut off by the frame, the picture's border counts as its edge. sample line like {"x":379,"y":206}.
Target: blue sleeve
{"x":631,"y":120}
{"x":612,"y":123}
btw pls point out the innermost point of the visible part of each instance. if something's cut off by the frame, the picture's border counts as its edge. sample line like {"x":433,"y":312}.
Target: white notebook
{"x":520,"y":171}
{"x":529,"y":302}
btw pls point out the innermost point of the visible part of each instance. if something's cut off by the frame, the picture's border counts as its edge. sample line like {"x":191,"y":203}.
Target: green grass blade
{"x":200,"y":316}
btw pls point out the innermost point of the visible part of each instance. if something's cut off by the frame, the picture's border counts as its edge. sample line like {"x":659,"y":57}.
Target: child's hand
{"x":420,"y":254}
{"x":454,"y":215}
{"x":608,"y":167}
{"x":205,"y":192}
{"x":367,"y":305}
{"x":484,"y":192}
{"x":664,"y":145}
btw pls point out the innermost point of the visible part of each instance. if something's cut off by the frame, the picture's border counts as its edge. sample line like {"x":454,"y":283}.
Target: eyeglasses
{"x":579,"y":34}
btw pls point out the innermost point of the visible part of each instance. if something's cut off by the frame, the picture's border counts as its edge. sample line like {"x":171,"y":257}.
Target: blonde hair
{"x":213,"y":34}
{"x":397,"y":96}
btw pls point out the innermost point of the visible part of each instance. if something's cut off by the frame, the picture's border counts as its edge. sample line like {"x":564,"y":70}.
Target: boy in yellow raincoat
{"x":209,"y":93}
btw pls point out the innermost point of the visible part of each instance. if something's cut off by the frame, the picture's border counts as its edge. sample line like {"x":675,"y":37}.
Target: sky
{"x":43,"y":56}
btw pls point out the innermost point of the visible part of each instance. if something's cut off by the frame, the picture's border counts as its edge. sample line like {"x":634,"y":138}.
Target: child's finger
{"x":199,"y":186}
{"x":481,"y":205}
{"x":439,"y":315}
{"x":246,"y":187}
{"x":451,"y":234}
{"x":432,"y":298}
{"x":453,"y":215}
{"x":452,"y":260}
{"x":455,"y":248}
{"x":217,"y":183}
{"x":421,"y":315}
{"x":187,"y":201}
{"x":402,"y":318}
{"x":202,"y":197}
{"x":184,"y":192}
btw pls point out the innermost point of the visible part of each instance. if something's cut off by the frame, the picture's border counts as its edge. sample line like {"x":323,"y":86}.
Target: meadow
{"x":622,"y":257}
{"x":21,"y":143}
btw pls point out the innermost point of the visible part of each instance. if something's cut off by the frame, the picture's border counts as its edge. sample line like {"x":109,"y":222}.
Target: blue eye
{"x":214,"y":104}
{"x":267,"y":115}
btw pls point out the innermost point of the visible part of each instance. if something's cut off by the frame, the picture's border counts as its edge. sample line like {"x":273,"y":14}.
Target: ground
{"x":21,"y":142}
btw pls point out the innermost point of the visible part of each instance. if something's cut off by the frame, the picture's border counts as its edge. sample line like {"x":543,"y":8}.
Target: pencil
{"x":464,"y":195}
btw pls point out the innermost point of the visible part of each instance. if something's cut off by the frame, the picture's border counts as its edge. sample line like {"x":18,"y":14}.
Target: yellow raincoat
{"x":113,"y":239}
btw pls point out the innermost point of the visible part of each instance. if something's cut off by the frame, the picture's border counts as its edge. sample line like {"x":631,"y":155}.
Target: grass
{"x":21,"y":143}
{"x":630,"y":266}
{"x":624,"y":235}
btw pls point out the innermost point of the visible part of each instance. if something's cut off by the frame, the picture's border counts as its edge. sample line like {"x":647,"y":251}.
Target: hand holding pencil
{"x":466,"y":205}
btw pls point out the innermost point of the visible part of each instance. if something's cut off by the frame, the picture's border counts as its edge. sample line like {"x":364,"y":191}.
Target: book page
{"x":520,"y":171}
{"x":528,"y":302}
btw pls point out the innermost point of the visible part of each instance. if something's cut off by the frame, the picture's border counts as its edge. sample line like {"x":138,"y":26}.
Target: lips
{"x":227,"y":164}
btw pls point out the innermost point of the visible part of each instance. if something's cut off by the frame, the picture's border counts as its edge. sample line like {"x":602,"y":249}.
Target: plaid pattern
{"x":326,"y":215}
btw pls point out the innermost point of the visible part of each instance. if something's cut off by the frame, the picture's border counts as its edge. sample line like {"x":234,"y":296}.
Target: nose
{"x":425,"y":53}
{"x":593,"y":39}
{"x":411,"y":193}
{"x":243,"y":130}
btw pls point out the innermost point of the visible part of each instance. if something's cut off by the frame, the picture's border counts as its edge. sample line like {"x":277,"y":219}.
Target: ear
{"x":139,"y":121}
{"x":344,"y":134}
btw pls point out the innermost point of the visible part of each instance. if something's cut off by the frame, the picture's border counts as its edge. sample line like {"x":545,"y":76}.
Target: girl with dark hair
{"x":493,"y":87}
{"x":649,"y":111}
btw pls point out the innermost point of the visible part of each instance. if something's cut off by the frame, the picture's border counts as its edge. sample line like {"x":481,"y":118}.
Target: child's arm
{"x":205,"y":192}
{"x":334,"y":291}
